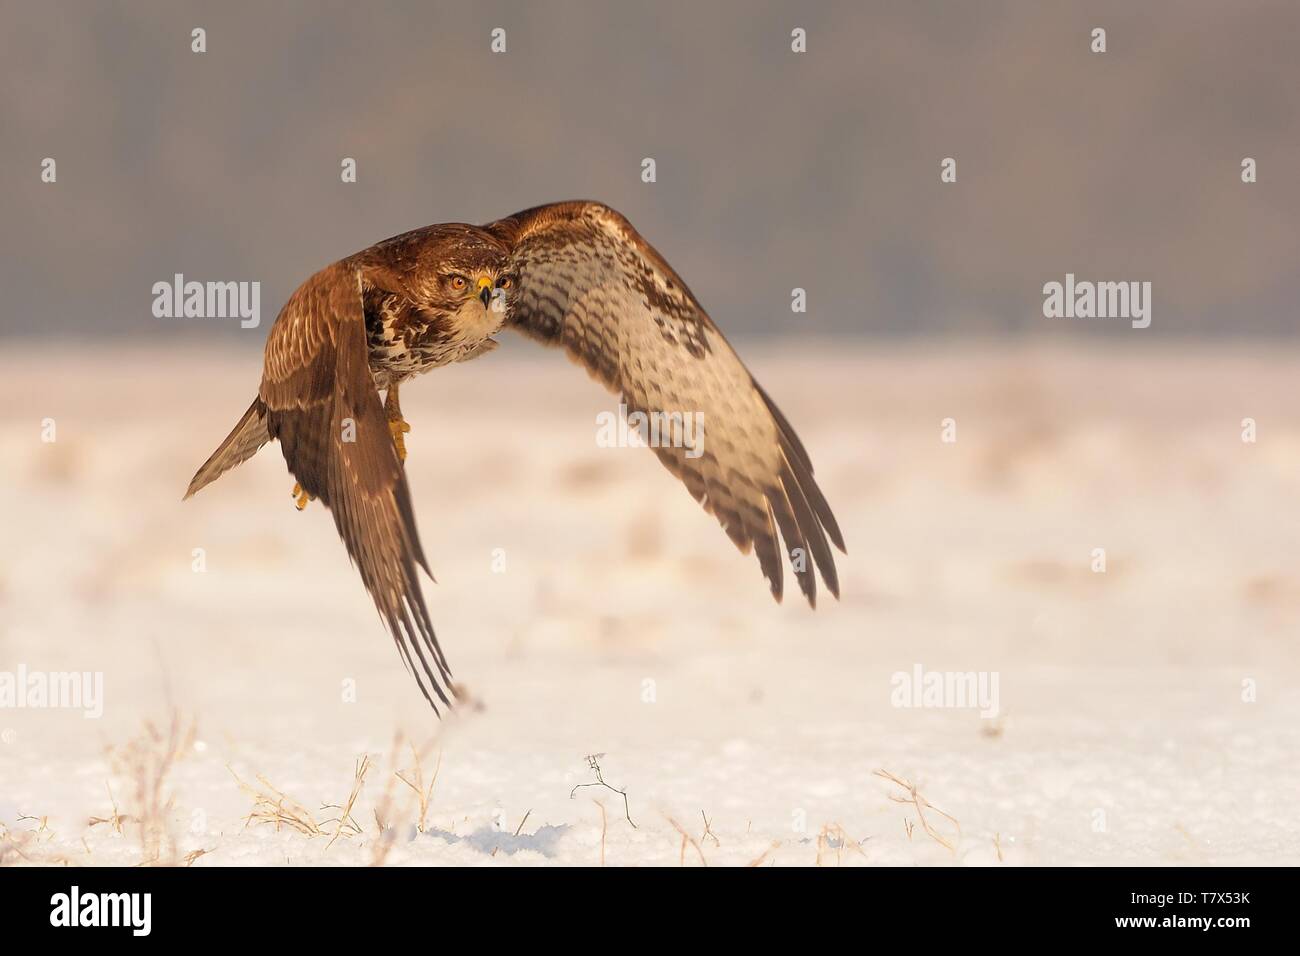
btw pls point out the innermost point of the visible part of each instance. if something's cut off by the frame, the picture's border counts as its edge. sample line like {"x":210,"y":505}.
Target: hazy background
{"x":775,"y":170}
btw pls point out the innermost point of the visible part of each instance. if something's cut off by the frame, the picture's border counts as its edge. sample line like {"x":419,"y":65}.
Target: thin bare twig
{"x":593,"y":761}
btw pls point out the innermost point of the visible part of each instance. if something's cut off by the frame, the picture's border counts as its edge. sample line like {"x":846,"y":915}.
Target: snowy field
{"x":1149,"y":713}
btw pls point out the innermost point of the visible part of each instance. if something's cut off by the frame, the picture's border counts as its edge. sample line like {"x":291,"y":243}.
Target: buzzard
{"x":572,"y":274}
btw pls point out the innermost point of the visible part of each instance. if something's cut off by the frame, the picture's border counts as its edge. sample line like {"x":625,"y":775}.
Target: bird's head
{"x":451,"y":271}
{"x":485,"y":285}
{"x":473,"y":283}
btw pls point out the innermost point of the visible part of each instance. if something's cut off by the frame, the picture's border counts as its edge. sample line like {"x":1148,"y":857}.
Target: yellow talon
{"x":301,"y":496}
{"x":396,"y":424}
{"x":399,"y":428}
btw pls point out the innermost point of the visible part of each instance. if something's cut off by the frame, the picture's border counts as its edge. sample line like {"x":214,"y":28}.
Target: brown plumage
{"x":575,"y":275}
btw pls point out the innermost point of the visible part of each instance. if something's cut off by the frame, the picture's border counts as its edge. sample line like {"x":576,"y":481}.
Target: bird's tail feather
{"x":240,"y":445}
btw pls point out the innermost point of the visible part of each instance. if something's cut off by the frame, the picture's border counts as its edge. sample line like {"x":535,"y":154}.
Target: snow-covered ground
{"x":1146,"y":714}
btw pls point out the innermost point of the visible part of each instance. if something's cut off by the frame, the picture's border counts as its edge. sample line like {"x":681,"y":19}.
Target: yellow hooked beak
{"x":485,"y":290}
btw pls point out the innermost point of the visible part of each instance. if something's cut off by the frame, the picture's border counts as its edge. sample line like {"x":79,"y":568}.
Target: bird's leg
{"x":301,"y":497}
{"x":396,"y":424}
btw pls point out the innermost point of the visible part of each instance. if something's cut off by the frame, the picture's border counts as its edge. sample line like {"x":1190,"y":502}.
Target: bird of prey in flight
{"x":570,"y":274}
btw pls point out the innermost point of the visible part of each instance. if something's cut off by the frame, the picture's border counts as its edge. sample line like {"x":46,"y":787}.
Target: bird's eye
{"x":459,"y":283}
{"x":505,"y":282}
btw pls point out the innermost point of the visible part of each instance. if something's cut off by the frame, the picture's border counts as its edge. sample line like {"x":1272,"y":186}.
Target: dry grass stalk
{"x":23,"y":846}
{"x":687,"y":839}
{"x":383,"y":843}
{"x":921,"y":804}
{"x":42,"y":825}
{"x":834,"y":837}
{"x":422,"y":794}
{"x":761,"y":858}
{"x":603,"y":829}
{"x":147,"y":761}
{"x":273,"y":807}
{"x":382,"y":846}
{"x":13,"y":846}
{"x":345,"y":825}
{"x":384,"y":804}
{"x":528,"y":813}
{"x":117,"y":820}
{"x":383,"y":809}
{"x":708,"y":833}
{"x":193,"y":855}
{"x":412,"y":780}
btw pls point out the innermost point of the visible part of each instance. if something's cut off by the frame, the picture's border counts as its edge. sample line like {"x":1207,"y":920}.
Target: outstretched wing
{"x":322,"y":405}
{"x":587,"y":281}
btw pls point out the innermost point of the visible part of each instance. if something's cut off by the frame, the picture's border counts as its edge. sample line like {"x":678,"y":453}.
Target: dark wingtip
{"x":808,"y":579}
{"x":777,"y":590}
